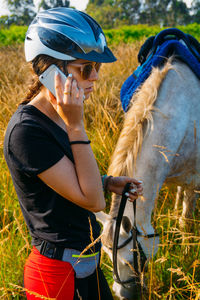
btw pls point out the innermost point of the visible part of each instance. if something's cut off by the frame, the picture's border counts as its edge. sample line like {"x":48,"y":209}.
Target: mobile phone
{"x":47,"y":78}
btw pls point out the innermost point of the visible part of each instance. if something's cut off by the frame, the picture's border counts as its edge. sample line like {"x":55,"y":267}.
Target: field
{"x":174,"y":273}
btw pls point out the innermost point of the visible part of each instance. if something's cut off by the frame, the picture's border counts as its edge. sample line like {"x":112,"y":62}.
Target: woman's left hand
{"x":116,"y":185}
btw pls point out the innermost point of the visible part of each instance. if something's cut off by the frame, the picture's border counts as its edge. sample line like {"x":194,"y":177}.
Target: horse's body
{"x":159,"y":142}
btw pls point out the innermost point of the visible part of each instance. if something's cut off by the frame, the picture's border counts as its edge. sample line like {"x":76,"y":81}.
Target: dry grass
{"x":174,"y":272}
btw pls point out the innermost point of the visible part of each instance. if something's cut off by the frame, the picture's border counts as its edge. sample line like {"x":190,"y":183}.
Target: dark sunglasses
{"x":86,"y":69}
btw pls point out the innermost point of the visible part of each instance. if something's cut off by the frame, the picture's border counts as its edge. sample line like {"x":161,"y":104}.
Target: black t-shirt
{"x":33,"y":143}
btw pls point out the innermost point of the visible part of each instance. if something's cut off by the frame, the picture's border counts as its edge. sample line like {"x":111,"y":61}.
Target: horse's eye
{"x":126,"y":224}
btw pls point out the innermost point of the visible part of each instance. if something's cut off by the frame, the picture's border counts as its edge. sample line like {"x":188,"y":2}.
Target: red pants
{"x":48,"y":277}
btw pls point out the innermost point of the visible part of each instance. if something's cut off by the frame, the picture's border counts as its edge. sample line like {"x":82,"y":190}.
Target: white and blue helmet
{"x":66,"y":34}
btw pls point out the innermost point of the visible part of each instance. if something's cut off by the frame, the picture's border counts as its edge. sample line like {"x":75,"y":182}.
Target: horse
{"x":159,"y":143}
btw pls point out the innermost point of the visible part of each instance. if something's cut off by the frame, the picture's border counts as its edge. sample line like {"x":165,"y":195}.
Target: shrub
{"x":125,"y":34}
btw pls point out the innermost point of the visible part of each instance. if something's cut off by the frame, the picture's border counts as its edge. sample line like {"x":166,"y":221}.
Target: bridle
{"x":139,"y":257}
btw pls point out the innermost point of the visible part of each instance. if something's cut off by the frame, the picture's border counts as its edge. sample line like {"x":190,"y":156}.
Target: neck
{"x":42,"y":103}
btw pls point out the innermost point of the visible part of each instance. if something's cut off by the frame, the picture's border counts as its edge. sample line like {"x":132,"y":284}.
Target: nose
{"x":94,"y":75}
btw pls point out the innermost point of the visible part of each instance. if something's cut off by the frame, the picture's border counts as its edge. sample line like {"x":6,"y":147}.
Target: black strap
{"x":79,"y":142}
{"x":135,"y":252}
{"x":116,"y":236}
{"x":50,"y":250}
{"x":137,"y":249}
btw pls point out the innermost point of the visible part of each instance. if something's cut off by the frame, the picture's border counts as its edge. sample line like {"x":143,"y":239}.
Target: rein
{"x":139,"y":257}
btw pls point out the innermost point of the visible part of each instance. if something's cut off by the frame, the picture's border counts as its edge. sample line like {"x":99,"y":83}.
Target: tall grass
{"x":174,"y":273}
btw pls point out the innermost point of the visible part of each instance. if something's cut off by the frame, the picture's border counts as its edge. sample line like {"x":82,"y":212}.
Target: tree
{"x":106,"y":15}
{"x":113,"y":13}
{"x":129,"y":10}
{"x":22,"y":11}
{"x":5,"y":21}
{"x":178,"y":13}
{"x":148,"y":13}
{"x":47,"y":4}
{"x":96,"y":2}
{"x":165,"y":12}
{"x":195,"y":11}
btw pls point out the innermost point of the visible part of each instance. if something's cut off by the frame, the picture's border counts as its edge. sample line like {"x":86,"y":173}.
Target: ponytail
{"x":33,"y":90}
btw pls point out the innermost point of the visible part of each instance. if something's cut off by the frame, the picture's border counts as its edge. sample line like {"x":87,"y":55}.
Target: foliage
{"x":195,"y":8}
{"x":106,"y":16}
{"x":46,"y":4}
{"x":162,"y":12}
{"x":112,"y":13}
{"x":130,"y":34}
{"x":165,"y":13}
{"x":13,"y":34}
{"x":124,"y":34}
{"x":22,"y":11}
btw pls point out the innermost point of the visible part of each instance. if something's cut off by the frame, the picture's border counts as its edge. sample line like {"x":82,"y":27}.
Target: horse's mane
{"x":130,"y":140}
{"x":140,"y":112}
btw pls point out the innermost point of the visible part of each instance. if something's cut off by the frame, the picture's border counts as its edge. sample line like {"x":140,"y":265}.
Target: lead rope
{"x":116,"y":236}
{"x":135,"y":252}
{"x":136,"y":245}
{"x":139,"y":257}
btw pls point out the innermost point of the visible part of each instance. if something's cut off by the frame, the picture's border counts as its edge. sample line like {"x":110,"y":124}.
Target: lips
{"x":89,"y":89}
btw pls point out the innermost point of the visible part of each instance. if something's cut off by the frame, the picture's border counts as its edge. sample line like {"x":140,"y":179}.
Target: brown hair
{"x":38,"y":66}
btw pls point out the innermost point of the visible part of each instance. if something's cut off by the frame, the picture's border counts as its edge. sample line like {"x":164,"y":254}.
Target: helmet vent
{"x":51,"y":21}
{"x":93,"y":24}
{"x":50,"y":39}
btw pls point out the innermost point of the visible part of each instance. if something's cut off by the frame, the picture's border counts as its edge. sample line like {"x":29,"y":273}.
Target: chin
{"x":86,"y":96}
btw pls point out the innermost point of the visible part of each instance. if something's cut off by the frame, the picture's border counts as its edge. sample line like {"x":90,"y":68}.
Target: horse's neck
{"x":178,"y":99}
{"x":168,"y":145}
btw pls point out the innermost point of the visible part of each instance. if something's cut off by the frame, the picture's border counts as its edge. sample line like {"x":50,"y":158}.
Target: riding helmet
{"x":66,"y":34}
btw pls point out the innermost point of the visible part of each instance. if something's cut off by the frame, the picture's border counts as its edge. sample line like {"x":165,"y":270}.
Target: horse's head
{"x":125,"y":265}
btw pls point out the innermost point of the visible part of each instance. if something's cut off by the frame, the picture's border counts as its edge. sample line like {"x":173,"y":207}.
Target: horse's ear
{"x":102,"y":217}
{"x":126,"y":224}
{"x":145,"y":49}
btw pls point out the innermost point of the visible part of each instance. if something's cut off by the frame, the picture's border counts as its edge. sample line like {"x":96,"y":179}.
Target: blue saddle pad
{"x":177,"y":45}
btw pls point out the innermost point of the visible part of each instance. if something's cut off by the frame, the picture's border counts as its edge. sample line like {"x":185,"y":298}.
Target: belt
{"x":50,"y":250}
{"x":56,"y":252}
{"x":83,"y":265}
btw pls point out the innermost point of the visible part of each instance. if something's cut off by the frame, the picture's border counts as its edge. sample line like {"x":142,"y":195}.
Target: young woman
{"x":51,"y":162}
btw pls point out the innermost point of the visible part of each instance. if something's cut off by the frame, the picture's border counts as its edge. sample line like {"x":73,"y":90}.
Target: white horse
{"x":159,"y":143}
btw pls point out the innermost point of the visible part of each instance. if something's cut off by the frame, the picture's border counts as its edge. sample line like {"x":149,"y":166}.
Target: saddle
{"x":154,"y":52}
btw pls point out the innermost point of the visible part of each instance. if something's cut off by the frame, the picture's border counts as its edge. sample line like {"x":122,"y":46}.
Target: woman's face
{"x":86,"y":73}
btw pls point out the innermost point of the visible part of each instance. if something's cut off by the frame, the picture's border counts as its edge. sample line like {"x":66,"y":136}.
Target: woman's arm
{"x":79,"y":182}
{"x":84,"y":189}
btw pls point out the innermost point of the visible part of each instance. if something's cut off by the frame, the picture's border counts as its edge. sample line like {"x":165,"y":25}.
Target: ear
{"x":102,"y":217}
{"x":126,"y":225}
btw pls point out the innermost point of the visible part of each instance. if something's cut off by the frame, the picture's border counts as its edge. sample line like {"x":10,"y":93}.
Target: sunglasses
{"x":86,"y":69}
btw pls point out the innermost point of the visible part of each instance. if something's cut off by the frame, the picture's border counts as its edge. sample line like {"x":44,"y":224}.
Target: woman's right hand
{"x":69,"y":102}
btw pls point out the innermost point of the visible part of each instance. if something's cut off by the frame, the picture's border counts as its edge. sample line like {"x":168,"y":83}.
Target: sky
{"x":78,"y":4}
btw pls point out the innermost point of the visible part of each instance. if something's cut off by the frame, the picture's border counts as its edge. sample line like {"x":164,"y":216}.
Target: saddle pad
{"x":158,"y":58}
